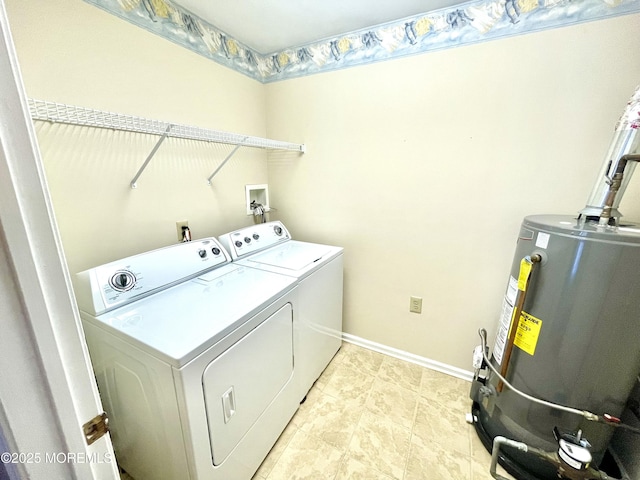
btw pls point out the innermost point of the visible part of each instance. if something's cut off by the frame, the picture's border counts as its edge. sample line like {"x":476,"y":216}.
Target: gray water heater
{"x":566,"y":355}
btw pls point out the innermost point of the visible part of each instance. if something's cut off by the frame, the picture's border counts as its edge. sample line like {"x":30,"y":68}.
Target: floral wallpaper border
{"x":471,"y":22}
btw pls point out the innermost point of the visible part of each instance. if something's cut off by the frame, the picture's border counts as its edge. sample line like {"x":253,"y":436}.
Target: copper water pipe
{"x":515,"y":318}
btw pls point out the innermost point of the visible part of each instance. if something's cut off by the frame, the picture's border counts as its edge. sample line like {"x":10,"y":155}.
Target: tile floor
{"x":374,"y":417}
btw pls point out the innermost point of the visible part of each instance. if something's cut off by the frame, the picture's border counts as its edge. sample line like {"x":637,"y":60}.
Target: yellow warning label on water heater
{"x":525,"y":271}
{"x":528,"y":333}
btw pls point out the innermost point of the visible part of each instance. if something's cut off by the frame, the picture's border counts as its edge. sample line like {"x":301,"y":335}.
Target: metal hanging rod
{"x":74,"y":115}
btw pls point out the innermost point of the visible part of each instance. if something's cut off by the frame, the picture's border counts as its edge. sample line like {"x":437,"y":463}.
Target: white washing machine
{"x":318,"y":272}
{"x":180,"y":339}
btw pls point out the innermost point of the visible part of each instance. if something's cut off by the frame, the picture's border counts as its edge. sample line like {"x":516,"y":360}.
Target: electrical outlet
{"x":179,"y":225}
{"x":415,"y":304}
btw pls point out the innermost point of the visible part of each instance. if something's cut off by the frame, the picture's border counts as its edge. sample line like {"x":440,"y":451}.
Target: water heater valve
{"x":573,"y":450}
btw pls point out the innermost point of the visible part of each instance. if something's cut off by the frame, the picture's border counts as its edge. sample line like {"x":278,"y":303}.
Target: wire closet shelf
{"x":88,"y":117}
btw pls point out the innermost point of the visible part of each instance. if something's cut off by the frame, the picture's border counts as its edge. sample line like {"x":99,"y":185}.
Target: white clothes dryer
{"x":318,"y":270}
{"x":179,"y":339}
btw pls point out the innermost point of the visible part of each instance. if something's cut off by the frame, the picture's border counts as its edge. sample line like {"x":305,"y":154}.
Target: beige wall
{"x":423,"y":168}
{"x":74,"y":53}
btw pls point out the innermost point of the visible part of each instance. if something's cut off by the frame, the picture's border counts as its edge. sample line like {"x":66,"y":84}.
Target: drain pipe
{"x":499,"y":440}
{"x":497,"y":443}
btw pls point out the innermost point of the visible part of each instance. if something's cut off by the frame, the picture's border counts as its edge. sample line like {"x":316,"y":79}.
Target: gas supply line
{"x":605,"y":419}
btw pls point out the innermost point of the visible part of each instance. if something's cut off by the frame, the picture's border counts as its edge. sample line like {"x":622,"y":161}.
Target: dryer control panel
{"x":114,"y":284}
{"x":248,"y":240}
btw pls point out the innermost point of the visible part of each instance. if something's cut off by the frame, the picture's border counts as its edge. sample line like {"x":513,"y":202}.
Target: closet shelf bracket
{"x":227,"y":158}
{"x":88,"y":117}
{"x":150,"y":156}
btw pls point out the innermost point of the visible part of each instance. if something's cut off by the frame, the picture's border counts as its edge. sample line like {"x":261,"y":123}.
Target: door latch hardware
{"x":96,"y":428}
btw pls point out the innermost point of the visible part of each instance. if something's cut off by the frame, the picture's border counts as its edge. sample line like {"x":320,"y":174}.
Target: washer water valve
{"x":259,"y":211}
{"x":186,"y":234}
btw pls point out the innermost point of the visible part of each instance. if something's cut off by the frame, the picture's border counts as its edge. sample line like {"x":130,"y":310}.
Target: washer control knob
{"x":238,"y":243}
{"x":247,"y":240}
{"x":122,"y":280}
{"x":202,"y":253}
{"x":278,"y":230}
{"x":256,"y":236}
{"x":215,"y":251}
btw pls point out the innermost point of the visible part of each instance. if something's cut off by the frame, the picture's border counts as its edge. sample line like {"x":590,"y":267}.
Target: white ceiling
{"x":269,"y":26}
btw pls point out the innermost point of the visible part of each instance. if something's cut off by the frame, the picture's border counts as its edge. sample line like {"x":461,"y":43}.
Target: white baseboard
{"x":409,"y":357}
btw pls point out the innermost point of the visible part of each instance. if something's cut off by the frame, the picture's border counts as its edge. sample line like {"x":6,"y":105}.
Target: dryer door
{"x":241,"y":383}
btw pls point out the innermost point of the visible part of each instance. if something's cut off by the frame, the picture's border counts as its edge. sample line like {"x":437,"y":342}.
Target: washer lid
{"x":292,"y":255}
